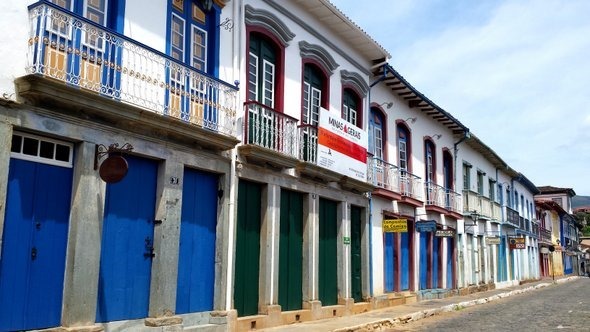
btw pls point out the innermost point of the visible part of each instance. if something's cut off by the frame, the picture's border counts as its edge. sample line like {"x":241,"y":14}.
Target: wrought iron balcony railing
{"x":308,"y":146}
{"x":512,"y":217}
{"x":442,"y":197}
{"x":390,"y":177}
{"x":544,"y":234}
{"x":267,"y":128}
{"x":69,"y":48}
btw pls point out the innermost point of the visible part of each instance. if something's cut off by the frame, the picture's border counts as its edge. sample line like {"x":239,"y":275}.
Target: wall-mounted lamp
{"x":437,"y":136}
{"x":475,"y":217}
{"x":387,"y":104}
{"x":207,"y":4}
{"x":411,"y":119}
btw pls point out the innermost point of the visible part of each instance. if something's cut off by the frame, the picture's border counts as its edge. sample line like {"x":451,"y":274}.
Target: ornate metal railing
{"x":69,"y":48}
{"x":265,"y":127}
{"x":442,"y":197}
{"x":544,"y":234}
{"x":383,"y":174}
{"x":512,"y":217}
{"x":308,"y":146}
{"x":410,"y":184}
{"x":390,"y":177}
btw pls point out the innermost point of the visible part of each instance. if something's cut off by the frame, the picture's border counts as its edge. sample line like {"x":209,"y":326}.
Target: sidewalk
{"x":392,"y":316}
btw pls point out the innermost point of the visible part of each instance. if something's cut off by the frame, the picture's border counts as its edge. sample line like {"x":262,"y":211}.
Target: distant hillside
{"x":578,"y":201}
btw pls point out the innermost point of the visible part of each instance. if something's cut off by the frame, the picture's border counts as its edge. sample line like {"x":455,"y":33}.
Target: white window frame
{"x":203,"y":33}
{"x":100,"y":45}
{"x":38,"y":158}
{"x":268,"y":70}
{"x":253,"y":85}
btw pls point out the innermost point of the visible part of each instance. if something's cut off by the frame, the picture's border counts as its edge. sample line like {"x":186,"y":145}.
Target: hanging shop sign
{"x":114,"y":168}
{"x":428,"y":226}
{"x":545,"y":250}
{"x":492,"y":240}
{"x":517,"y":243}
{"x":444,"y":233}
{"x":395,"y":225}
{"x":342,"y":146}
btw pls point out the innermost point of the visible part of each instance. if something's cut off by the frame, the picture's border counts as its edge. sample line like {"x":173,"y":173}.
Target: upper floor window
{"x":558,"y":201}
{"x":190,"y":34}
{"x":448,"y":169}
{"x":480,"y":182}
{"x":262,"y":70}
{"x":376,"y":130}
{"x":404,"y":147}
{"x":102,"y":12}
{"x":429,"y":160}
{"x":492,"y":190}
{"x":508,"y":203}
{"x":314,"y":82}
{"x":351,"y":106}
{"x":466,"y":176}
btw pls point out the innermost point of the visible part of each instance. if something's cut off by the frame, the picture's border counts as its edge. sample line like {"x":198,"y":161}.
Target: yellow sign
{"x":395,"y":225}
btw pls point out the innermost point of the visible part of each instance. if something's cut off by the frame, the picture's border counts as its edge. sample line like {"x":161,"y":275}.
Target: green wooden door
{"x":290,"y":251}
{"x":247,"y":249}
{"x":355,"y":254}
{"x":328,"y":267}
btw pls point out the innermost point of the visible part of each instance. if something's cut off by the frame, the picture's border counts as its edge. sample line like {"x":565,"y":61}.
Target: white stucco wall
{"x":14,"y":23}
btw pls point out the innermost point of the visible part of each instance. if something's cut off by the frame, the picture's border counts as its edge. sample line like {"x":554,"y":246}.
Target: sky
{"x":515,"y":72}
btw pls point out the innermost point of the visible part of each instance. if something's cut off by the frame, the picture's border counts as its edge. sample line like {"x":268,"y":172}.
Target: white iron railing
{"x":270,"y":129}
{"x":308,"y":146}
{"x":390,"y":177}
{"x":81,"y":53}
{"x":442,"y":197}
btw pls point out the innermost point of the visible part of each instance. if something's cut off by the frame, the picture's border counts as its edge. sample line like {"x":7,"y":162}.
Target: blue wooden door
{"x":450,"y":262}
{"x":435,"y":261}
{"x":196,"y":261}
{"x":389,"y":265}
{"x":423,"y":263}
{"x":34,"y":245}
{"x":127,"y":239}
{"x":405,"y":260}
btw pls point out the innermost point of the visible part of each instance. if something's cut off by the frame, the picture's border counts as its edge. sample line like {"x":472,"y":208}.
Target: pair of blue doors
{"x":128,"y":243}
{"x":34,"y":243}
{"x":397,"y":261}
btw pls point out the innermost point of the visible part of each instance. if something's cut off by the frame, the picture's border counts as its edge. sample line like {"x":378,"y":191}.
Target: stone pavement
{"x":396,"y":315}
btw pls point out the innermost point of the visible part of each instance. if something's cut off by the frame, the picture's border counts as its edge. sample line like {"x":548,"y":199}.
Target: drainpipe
{"x":236,"y":62}
{"x":369,"y":194}
{"x":466,"y":135}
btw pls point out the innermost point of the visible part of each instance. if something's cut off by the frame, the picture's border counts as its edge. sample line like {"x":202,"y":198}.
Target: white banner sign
{"x":342,"y":146}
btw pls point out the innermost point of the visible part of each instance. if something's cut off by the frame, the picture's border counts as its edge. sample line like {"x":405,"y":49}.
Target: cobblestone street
{"x":563,"y":306}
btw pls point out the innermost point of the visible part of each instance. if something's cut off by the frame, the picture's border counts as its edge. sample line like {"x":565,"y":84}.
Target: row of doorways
{"x":290,"y":288}
{"x":35,"y":236}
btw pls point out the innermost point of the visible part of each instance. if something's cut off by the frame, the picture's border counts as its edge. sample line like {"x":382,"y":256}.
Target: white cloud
{"x":515,"y":72}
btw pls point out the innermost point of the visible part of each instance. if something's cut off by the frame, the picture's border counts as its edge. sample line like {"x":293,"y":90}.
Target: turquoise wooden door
{"x":450,"y":262}
{"x":247,"y":248}
{"x":34,"y":245}
{"x":356,"y":267}
{"x":423,"y":262}
{"x":405,"y":258}
{"x":291,"y":251}
{"x":390,"y":261}
{"x":196,"y":261}
{"x":435,"y":262}
{"x":328,"y":268}
{"x":127,"y":243}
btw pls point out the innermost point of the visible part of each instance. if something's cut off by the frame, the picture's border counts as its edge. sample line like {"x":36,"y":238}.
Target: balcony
{"x":545,"y":235}
{"x":512,"y":217}
{"x":270,"y":137}
{"x":496,"y":211}
{"x":443,"y":200}
{"x":478,"y":203}
{"x":88,"y":71}
{"x":393,"y":182}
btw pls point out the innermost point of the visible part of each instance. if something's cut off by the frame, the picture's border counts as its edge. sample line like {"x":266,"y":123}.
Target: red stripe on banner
{"x":342,"y":145}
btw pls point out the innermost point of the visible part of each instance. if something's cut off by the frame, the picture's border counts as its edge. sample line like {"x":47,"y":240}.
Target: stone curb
{"x":391,"y":322}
